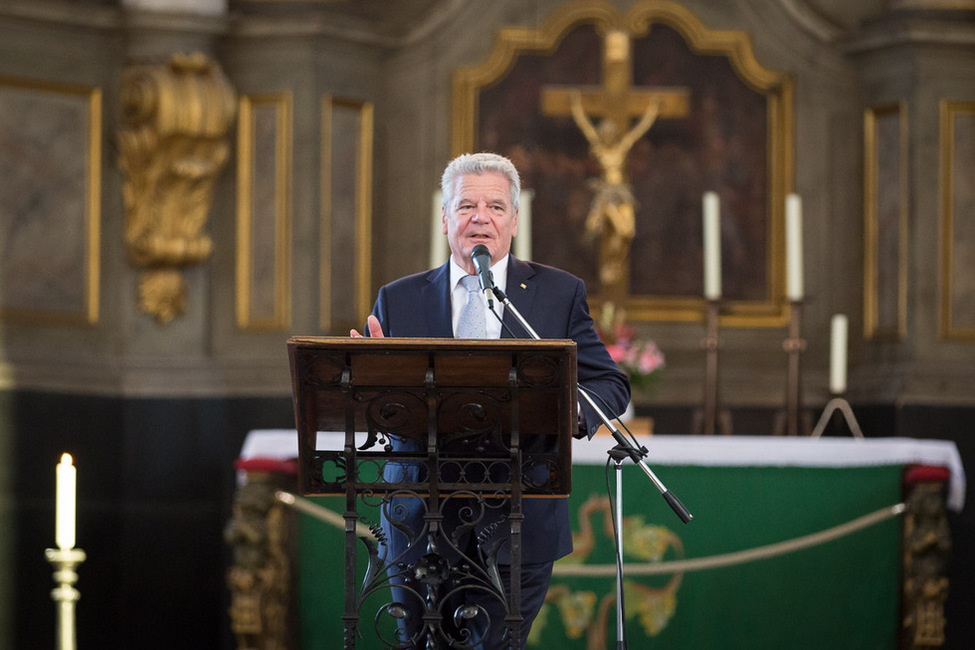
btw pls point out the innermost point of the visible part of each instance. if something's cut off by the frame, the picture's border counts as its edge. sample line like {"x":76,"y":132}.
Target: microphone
{"x":481,"y":257}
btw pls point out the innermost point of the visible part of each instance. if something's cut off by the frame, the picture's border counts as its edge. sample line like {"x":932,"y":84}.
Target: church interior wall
{"x":155,"y":414}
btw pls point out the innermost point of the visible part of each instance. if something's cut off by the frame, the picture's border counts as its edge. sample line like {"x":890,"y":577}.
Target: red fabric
{"x":272,"y":465}
{"x":926,"y":474}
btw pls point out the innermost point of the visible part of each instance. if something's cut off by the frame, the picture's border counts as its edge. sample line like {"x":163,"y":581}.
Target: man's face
{"x":481,"y":213}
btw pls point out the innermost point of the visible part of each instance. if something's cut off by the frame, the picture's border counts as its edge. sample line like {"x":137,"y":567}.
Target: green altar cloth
{"x":843,"y":594}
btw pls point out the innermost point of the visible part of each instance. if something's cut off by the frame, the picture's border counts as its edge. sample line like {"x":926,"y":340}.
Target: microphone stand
{"x":623,"y":449}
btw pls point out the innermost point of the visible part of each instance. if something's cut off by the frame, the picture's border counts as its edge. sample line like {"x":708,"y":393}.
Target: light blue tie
{"x":471,"y":324}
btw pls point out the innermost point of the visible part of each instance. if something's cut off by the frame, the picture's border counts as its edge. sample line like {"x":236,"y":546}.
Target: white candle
{"x":523,"y":240}
{"x":712,"y":247}
{"x":64,"y":522}
{"x":837,"y":354}
{"x":438,"y":243}
{"x":793,"y":244}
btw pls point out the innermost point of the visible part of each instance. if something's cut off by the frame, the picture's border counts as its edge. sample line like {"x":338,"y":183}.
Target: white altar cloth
{"x":724,"y":451}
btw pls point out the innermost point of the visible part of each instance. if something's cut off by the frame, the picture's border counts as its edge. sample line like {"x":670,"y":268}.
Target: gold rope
{"x":738,"y":557}
{"x":656,"y":568}
{"x":321,"y":513}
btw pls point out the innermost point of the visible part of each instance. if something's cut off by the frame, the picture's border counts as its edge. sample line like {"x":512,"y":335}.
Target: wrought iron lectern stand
{"x":446,"y":436}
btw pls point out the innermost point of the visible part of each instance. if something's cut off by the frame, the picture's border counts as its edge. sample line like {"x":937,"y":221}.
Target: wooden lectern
{"x":446,"y":436}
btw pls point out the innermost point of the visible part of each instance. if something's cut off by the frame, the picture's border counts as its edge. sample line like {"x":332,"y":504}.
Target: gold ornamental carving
{"x":927,"y":550}
{"x":261,"y":608}
{"x":172,"y":144}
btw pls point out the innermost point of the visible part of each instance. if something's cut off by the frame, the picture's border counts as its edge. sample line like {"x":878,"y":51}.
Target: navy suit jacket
{"x":554,"y":303}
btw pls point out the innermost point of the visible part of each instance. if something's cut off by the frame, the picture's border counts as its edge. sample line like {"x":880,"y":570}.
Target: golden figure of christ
{"x":616,"y":103}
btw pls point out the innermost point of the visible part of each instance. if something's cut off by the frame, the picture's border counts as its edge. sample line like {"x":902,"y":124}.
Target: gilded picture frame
{"x":50,"y":202}
{"x":885,"y":194}
{"x":264,"y":173}
{"x":957,"y":147}
{"x":347,"y":127}
{"x":495,"y":108}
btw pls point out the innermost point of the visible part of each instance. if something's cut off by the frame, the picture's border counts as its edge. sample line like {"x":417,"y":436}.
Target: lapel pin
{"x":523,"y":286}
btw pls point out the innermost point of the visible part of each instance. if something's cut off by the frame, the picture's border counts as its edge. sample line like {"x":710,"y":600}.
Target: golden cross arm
{"x":674,"y":102}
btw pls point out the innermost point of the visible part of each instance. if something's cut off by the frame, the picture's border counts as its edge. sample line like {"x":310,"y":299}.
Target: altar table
{"x":766,"y":562}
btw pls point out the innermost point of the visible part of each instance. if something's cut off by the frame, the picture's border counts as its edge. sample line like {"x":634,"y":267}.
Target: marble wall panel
{"x":50,"y":161}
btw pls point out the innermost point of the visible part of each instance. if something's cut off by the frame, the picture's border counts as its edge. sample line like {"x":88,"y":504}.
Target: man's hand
{"x":375,"y":329}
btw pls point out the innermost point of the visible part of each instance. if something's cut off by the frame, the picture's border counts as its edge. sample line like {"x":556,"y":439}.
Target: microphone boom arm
{"x":634,"y":453}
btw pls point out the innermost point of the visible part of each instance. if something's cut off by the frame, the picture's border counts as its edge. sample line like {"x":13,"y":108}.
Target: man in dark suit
{"x":480,"y":206}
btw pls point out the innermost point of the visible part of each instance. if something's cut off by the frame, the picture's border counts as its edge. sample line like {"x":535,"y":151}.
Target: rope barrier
{"x":738,"y":557}
{"x":321,"y":513}
{"x":656,"y":568}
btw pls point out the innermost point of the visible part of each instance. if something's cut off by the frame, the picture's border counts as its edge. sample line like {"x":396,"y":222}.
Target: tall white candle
{"x":64,"y":522}
{"x":837,"y":354}
{"x":523,"y":240}
{"x":438,"y":243}
{"x":793,"y":247}
{"x":712,"y":247}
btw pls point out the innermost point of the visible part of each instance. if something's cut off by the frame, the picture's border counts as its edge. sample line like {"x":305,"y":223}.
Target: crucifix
{"x":617,"y":102}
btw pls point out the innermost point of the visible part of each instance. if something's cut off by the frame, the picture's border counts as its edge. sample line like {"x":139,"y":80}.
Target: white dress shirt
{"x":458,"y":296}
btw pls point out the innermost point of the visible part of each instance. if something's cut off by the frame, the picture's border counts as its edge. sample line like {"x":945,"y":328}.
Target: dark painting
{"x":721,"y":145}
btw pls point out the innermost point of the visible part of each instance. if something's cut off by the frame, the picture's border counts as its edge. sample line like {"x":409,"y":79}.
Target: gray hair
{"x":479,"y":163}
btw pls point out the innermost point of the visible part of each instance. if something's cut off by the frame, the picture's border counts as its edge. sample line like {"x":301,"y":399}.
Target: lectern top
{"x":426,"y":402}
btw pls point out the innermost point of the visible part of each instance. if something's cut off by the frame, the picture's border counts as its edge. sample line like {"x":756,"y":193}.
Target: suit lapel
{"x":435,"y":301}
{"x":521,"y":293}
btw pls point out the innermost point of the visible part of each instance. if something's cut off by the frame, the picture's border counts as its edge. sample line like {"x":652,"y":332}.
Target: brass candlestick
{"x":65,"y":561}
{"x":714,"y":419}
{"x":794,"y":417}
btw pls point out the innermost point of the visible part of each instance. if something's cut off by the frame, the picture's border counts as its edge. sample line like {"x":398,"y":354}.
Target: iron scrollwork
{"x":440,"y":444}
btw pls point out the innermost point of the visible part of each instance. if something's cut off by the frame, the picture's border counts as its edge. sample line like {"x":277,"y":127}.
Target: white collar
{"x":499,"y":270}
